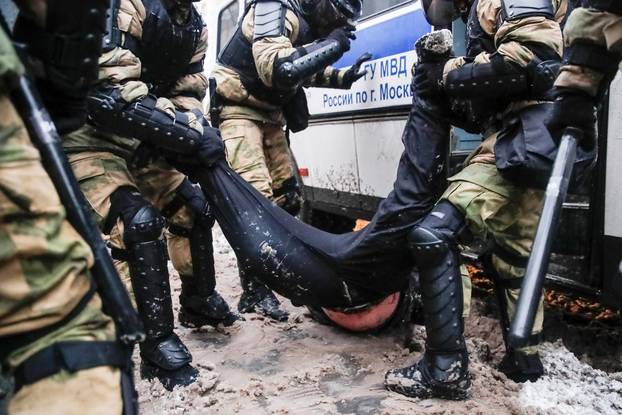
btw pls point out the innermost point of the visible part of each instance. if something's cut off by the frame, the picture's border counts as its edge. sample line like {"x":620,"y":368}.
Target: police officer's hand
{"x":355,"y":73}
{"x":573,"y":108}
{"x":343,"y":35}
{"x":212,"y":148}
{"x":428,"y":79}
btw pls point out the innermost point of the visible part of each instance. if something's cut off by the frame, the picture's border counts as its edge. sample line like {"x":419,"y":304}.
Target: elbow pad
{"x":501,"y":78}
{"x":143,"y":121}
{"x":305,"y":62}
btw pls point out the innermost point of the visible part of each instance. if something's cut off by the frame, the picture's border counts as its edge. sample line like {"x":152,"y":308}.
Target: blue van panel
{"x":397,"y":35}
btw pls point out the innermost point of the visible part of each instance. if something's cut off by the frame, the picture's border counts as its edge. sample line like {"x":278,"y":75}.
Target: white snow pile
{"x":571,"y":387}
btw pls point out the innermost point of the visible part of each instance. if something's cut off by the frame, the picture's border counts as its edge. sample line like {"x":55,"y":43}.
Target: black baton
{"x":531,"y":288}
{"x":44,"y":136}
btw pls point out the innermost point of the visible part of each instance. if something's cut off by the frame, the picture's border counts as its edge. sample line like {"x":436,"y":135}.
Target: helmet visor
{"x":351,"y":9}
{"x":439,"y":12}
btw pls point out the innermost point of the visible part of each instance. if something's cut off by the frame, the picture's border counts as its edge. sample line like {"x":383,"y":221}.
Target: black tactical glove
{"x":343,"y":35}
{"x":428,"y":79}
{"x":355,"y":73}
{"x":211,"y":151}
{"x":573,"y":108}
{"x":212,"y":148}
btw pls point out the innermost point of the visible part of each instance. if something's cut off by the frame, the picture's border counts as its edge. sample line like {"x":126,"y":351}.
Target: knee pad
{"x":432,"y":238}
{"x":142,"y":222}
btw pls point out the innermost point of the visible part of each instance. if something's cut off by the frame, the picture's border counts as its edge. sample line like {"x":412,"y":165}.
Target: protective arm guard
{"x":502,"y":78}
{"x":143,"y":121}
{"x":305,"y":62}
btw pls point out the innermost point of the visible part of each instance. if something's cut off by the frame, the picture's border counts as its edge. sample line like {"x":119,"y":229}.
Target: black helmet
{"x":330,"y":14}
{"x":349,"y":8}
{"x":443,"y":12}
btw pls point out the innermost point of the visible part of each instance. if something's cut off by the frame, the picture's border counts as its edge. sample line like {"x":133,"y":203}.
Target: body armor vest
{"x":478,"y":40}
{"x":238,"y":55}
{"x":166,"y":48}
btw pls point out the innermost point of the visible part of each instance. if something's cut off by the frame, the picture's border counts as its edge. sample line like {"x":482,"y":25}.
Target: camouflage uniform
{"x":102,"y":162}
{"x":597,"y":29}
{"x":495,"y":207}
{"x":252,"y":129}
{"x":253,"y":110}
{"x":44,"y":264}
{"x":156,"y":55}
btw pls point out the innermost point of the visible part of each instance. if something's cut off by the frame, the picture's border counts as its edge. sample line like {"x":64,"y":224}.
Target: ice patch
{"x":571,"y":387}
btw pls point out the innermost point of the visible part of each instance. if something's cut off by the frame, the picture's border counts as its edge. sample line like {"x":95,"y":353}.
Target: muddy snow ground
{"x":301,"y":367}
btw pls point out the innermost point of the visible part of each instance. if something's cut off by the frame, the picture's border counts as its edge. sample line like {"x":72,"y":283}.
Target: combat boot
{"x":521,"y":367}
{"x":258,"y":298}
{"x":436,"y":375}
{"x":168,"y":360}
{"x":199,"y":308}
{"x":163,"y":354}
{"x":443,"y":370}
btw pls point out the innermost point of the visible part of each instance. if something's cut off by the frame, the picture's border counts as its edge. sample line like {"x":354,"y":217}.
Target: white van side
{"x":348,"y":156}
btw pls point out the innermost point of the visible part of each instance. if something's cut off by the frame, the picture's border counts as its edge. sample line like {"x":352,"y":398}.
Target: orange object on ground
{"x":370,"y":318}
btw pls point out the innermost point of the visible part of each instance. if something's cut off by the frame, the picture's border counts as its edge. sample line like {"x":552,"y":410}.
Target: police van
{"x":348,"y":156}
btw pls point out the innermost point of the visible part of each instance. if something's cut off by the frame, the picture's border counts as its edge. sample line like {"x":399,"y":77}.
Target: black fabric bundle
{"x":315,"y":268}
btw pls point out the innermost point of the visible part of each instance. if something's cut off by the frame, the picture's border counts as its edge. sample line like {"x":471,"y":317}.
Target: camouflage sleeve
{"x":190,"y":89}
{"x":596,"y":28}
{"x":119,"y":66}
{"x":517,"y":40}
{"x":267,"y":50}
{"x":329,"y":78}
{"x":521,"y":40}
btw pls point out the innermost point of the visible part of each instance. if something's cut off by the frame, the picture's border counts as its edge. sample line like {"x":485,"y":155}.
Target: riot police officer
{"x":278,"y":47}
{"x":149,"y":96}
{"x":515,"y":46}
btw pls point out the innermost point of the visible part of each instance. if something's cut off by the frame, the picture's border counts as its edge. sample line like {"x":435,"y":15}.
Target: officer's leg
{"x":286,"y":192}
{"x":513,"y":241}
{"x":509,"y":216}
{"x":189,"y":240}
{"x":244,"y":141}
{"x":60,"y":307}
{"x":191,"y":250}
{"x":443,"y":370}
{"x":163,"y":354}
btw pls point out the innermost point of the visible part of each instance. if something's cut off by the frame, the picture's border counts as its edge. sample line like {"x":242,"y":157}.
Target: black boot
{"x":258,"y":298}
{"x":199,"y":309}
{"x":443,"y":371}
{"x":200,"y":303}
{"x":163,"y":354}
{"x":521,"y":367}
{"x":436,"y":375}
{"x":168,"y":360}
